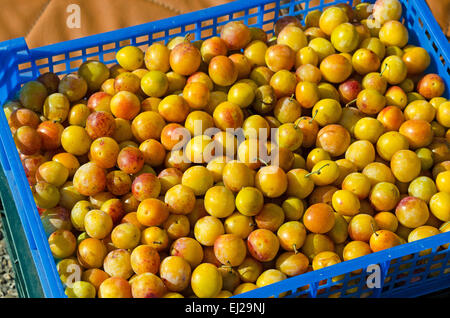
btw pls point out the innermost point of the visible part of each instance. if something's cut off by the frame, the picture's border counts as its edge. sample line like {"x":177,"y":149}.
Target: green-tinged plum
{"x":73,"y":86}
{"x":32,"y":95}
{"x":94,"y":73}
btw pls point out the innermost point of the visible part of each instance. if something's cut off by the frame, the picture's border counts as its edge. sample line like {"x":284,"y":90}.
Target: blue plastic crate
{"x":403,"y":271}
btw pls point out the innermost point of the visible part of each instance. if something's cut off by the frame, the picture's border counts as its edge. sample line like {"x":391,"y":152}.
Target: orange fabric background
{"x":43,"y":22}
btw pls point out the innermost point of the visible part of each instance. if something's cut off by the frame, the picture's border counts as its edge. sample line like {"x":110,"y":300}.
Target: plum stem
{"x":229,"y":267}
{"x":384,"y":69}
{"x":317,"y":171}
{"x":157,"y":242}
{"x":294,"y":246}
{"x":291,"y":98}
{"x":373,"y":229}
{"x":314,"y":116}
{"x":351,"y":102}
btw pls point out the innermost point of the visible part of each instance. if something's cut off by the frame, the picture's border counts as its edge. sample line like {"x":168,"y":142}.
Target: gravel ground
{"x":7,"y":283}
